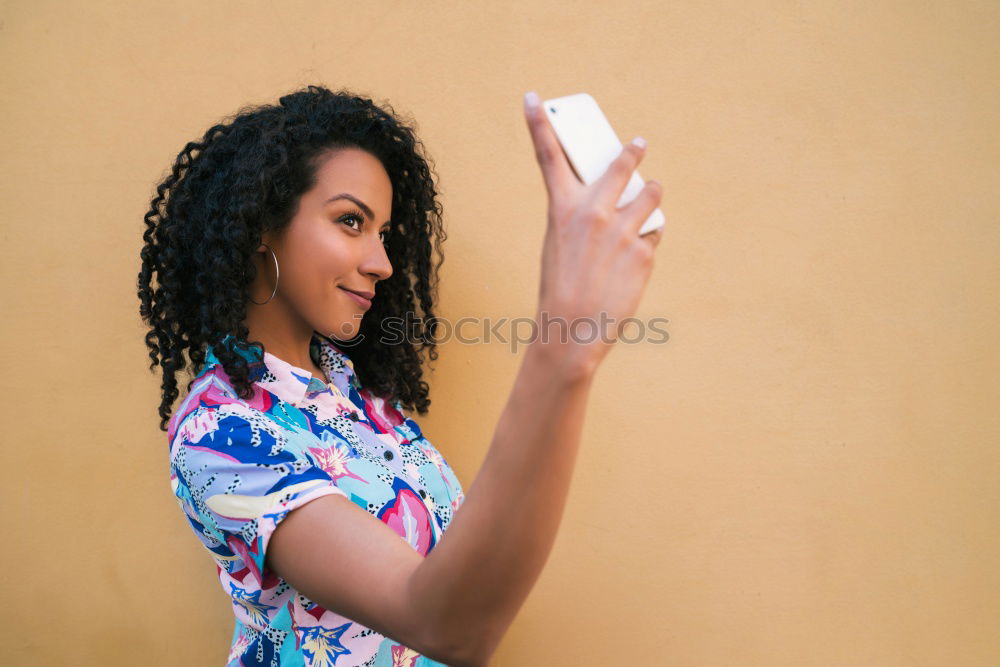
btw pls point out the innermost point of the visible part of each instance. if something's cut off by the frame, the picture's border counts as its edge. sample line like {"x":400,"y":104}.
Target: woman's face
{"x":333,"y":244}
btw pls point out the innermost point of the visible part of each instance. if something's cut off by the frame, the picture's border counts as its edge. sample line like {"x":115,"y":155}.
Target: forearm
{"x":471,"y":585}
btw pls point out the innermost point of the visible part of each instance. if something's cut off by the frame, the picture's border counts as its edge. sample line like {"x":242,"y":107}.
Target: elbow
{"x":463,"y":655}
{"x":458,"y":633}
{"x":464,"y":649}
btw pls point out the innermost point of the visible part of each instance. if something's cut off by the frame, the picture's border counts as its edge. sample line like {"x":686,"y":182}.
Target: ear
{"x":271,"y":238}
{"x":265,"y":238}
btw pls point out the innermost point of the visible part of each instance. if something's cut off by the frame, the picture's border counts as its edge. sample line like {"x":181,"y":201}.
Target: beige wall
{"x":806,"y":473}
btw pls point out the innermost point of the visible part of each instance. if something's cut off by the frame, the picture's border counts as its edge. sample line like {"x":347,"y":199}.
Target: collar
{"x":291,"y":383}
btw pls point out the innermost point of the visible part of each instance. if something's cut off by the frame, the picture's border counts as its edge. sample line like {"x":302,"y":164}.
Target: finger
{"x":609,"y":187}
{"x":653,"y":237}
{"x":556,"y":170}
{"x":634,"y":214}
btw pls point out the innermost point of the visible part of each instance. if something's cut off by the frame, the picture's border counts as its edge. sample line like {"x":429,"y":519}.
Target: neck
{"x":287,"y":338}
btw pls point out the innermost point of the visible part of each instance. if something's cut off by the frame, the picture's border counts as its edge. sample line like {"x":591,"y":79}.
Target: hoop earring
{"x":277,"y":275}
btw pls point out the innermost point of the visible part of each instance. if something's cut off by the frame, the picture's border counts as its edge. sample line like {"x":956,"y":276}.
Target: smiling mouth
{"x":359,"y":299}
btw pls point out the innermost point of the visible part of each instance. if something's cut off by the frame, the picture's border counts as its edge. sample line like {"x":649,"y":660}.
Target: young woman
{"x":281,"y":244}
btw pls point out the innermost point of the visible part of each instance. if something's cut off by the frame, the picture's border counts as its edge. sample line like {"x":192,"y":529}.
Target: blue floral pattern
{"x":238,"y":467}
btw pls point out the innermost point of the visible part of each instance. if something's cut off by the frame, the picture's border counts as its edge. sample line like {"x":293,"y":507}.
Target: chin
{"x":343,"y":332}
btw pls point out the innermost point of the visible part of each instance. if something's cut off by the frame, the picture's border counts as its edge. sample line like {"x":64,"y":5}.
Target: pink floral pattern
{"x":237,"y":468}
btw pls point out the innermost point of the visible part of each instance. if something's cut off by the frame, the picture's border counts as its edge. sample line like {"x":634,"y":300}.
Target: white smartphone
{"x":591,"y":145}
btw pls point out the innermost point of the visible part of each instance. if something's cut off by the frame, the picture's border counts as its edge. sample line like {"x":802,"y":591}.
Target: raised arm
{"x":455,"y":604}
{"x":593,"y":261}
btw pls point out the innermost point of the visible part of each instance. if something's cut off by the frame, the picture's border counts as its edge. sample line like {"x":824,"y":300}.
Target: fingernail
{"x":639,"y":141}
{"x":531,"y":99}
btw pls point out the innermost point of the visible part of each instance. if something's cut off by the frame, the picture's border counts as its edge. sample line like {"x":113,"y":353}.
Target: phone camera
{"x":552,"y":109}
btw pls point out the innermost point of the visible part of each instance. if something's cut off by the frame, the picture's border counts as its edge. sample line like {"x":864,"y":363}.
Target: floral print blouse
{"x":237,"y":468}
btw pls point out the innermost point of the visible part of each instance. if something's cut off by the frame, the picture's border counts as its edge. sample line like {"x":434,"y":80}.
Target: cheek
{"x":326,"y":264}
{"x":333,"y":258}
{"x":322,"y":256}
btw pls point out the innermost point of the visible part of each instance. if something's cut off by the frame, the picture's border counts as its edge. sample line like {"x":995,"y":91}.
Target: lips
{"x":361,"y":293}
{"x":363,"y":299}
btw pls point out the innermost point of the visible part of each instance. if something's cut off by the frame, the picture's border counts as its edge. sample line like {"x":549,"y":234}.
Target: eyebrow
{"x":363,"y":206}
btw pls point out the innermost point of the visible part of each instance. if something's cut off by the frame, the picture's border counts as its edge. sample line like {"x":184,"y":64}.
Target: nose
{"x":376,"y":261}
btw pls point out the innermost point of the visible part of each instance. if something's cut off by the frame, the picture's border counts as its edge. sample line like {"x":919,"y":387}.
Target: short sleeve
{"x":237,"y":475}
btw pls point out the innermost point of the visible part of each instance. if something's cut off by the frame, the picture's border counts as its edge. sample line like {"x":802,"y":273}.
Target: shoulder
{"x":212,"y":405}
{"x":220,"y":442}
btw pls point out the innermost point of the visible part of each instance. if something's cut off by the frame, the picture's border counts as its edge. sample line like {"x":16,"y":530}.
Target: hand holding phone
{"x":595,"y":263}
{"x":591,"y":144}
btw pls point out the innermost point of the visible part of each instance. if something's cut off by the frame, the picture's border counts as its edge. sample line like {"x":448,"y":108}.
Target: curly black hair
{"x":245,"y":177}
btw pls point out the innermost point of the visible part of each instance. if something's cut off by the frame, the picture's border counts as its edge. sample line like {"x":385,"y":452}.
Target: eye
{"x":356,"y":216}
{"x":353,"y":215}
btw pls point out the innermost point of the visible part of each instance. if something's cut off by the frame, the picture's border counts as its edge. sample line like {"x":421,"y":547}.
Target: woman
{"x":281,"y":244}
